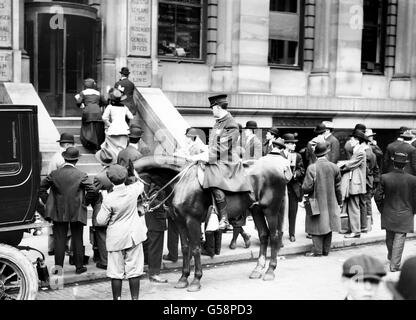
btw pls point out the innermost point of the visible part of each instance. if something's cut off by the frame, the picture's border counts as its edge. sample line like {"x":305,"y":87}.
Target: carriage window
{"x":9,"y":157}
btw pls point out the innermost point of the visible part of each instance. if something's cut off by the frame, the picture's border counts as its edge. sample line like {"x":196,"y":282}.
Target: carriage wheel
{"x":18,"y":277}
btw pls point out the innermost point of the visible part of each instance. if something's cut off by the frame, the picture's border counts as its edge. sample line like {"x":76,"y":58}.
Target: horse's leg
{"x":194,"y":228}
{"x":275,"y":223}
{"x":186,"y":264}
{"x":263,"y":231}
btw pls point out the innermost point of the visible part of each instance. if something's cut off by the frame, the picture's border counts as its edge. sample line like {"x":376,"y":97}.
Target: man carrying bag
{"x":322,"y":185}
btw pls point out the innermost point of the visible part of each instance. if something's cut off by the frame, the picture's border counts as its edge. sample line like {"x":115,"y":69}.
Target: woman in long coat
{"x":92,"y":129}
{"x":323,"y":182}
{"x":116,"y":117}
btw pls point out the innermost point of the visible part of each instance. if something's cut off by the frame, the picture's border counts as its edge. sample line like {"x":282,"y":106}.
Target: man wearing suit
{"x":272,"y":134}
{"x":294,"y":187}
{"x":407,"y":148}
{"x":356,"y":168}
{"x":375,"y":148}
{"x":102,"y":185}
{"x":323,"y":183}
{"x":349,"y":150}
{"x":127,"y":88}
{"x":131,"y":153}
{"x":333,"y":155}
{"x":396,"y":201}
{"x":253,"y":147}
{"x":392,"y":149}
{"x":70,"y":194}
{"x":156,"y":225}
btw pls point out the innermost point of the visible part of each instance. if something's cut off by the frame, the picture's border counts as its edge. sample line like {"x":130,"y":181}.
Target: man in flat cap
{"x":224,"y":169}
{"x":362,"y":277}
{"x":395,"y":199}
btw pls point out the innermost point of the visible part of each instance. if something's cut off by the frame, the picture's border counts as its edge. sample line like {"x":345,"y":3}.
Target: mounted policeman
{"x":224,"y":172}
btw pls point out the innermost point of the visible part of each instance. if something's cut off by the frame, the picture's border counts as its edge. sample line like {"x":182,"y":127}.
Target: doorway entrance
{"x":63,"y":52}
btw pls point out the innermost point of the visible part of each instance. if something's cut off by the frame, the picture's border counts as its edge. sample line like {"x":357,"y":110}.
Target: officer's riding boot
{"x":222,"y":207}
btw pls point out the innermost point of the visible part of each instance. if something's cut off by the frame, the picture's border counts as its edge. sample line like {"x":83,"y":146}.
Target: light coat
{"x":126,"y":229}
{"x":115,"y":118}
{"x":323,"y":182}
{"x":357,"y":168}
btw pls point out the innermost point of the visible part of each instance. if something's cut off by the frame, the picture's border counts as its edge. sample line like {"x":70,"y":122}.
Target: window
{"x":9,"y":157}
{"x":181,"y":26}
{"x":374,"y":34}
{"x":286,"y":33}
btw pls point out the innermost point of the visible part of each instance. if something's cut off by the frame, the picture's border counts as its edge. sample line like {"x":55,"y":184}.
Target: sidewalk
{"x":301,"y":246}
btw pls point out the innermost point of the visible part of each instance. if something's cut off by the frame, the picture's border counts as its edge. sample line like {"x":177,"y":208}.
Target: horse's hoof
{"x":182,"y":284}
{"x":269,"y":276}
{"x":194,"y":287}
{"x":255,"y":275}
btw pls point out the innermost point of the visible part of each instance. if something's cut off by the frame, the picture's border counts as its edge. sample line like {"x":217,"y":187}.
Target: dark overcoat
{"x":323,"y":182}
{"x":127,"y":87}
{"x":334,"y":154}
{"x":224,"y":169}
{"x":298,"y":171}
{"x":395,"y":199}
{"x":408,"y":149}
{"x":101,"y":183}
{"x":70,"y":193}
{"x":390,"y":151}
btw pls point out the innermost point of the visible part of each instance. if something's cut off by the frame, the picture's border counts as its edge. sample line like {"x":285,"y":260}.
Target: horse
{"x":191,"y":204}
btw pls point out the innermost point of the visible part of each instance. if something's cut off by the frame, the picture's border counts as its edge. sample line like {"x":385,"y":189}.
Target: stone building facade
{"x":284,"y":63}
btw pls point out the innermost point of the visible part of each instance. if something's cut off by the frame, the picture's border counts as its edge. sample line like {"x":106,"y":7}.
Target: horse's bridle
{"x":147,"y":201}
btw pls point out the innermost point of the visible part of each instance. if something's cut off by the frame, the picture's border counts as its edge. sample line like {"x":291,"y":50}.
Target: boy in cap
{"x":125,"y":233}
{"x":362,"y":276}
{"x":395,"y":199}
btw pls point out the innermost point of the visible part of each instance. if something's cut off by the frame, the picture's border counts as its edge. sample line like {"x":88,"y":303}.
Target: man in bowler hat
{"x":70,"y":193}
{"x":405,"y":288}
{"x":294,"y":187}
{"x":127,"y":88}
{"x":271,"y":135}
{"x":395,"y":199}
{"x":253,"y":147}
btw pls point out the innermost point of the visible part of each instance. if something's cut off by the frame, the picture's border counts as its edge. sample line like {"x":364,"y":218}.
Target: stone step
{"x":90,"y":168}
{"x":67,"y":122}
{"x":74,"y":130}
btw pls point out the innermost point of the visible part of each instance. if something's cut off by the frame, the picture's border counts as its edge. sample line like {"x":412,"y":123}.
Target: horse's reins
{"x":149,"y":200}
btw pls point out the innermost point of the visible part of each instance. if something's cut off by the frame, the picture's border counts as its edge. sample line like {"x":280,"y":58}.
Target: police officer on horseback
{"x":224,"y":170}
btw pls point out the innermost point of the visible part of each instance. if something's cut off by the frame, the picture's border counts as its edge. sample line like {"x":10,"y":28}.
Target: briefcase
{"x":311,"y":206}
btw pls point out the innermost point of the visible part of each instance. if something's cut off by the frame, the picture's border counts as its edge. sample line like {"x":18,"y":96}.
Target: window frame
{"x":301,"y":44}
{"x":17,"y":150}
{"x":383,"y":36}
{"x":203,"y":37}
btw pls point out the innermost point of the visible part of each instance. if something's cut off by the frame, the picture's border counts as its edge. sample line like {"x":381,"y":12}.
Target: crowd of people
{"x":125,"y":238}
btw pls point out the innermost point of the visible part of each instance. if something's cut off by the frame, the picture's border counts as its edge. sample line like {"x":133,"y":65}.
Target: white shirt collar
{"x":68,"y":165}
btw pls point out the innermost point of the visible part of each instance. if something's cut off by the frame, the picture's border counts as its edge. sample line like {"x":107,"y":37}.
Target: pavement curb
{"x":238,"y":255}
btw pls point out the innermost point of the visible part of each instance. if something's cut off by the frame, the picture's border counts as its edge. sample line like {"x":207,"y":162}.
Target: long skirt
{"x":92,"y":128}
{"x":115,"y":144}
{"x":92,"y":134}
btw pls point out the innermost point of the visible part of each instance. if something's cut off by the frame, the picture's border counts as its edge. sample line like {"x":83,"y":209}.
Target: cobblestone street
{"x":297,"y":277}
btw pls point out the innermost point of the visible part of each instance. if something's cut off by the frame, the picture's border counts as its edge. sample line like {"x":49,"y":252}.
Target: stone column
{"x":309,"y":35}
{"x":111,"y":22}
{"x":222,"y":73}
{"x":319,"y":77}
{"x":253,"y":46}
{"x":9,"y":41}
{"x":391,"y":34}
{"x":349,"y":42}
{"x":25,"y":64}
{"x":401,"y":85}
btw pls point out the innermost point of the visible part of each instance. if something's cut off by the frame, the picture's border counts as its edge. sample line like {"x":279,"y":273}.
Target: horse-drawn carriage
{"x":19,"y":182}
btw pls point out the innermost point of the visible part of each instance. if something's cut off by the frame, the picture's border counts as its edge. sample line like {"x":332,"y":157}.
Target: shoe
{"x":233,"y":245}
{"x":344,"y":232}
{"x":224,"y":224}
{"x":206,"y":253}
{"x":308,"y":236}
{"x":292,"y":239}
{"x":364,"y":230}
{"x":312,"y":254}
{"x":325,"y":254}
{"x":167,"y":257}
{"x":101,"y":266}
{"x":352,"y":236}
{"x":71,"y":261}
{"x":157,"y":279}
{"x":51,"y":253}
{"x":81,"y":270}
